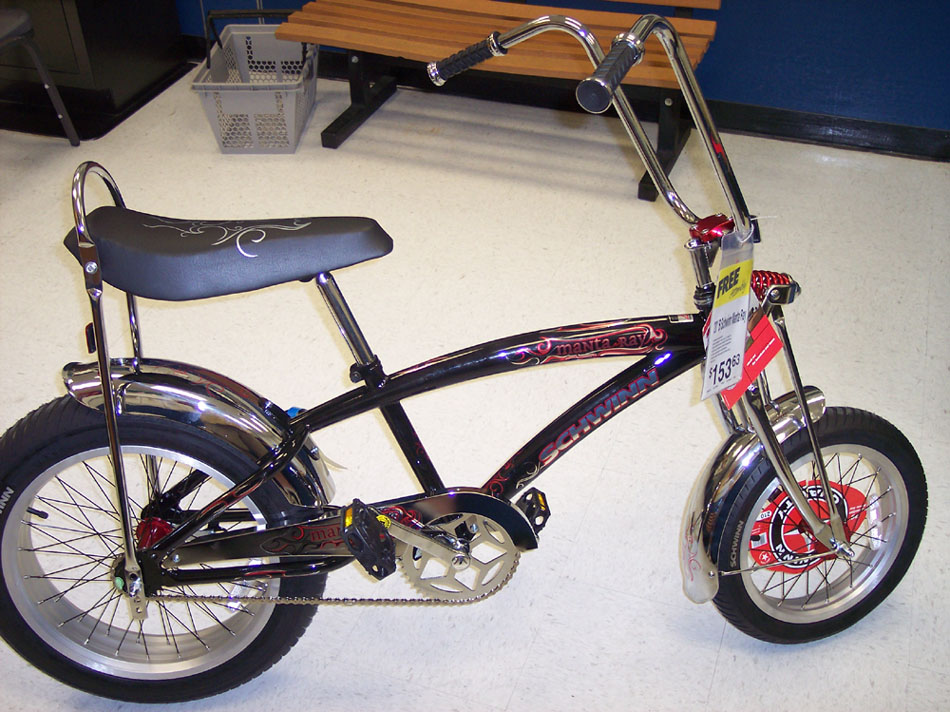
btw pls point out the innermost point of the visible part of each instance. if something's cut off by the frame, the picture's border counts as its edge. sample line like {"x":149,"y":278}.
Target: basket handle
{"x":211,"y":31}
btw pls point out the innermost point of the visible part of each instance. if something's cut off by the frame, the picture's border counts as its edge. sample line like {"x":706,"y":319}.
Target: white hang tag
{"x":728,"y":322}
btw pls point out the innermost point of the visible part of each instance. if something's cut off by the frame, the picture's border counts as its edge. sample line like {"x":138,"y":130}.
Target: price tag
{"x":729,"y":318}
{"x":762,"y":346}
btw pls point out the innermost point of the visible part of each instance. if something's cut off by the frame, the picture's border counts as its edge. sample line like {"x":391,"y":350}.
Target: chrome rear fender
{"x":698,"y":563}
{"x":213,"y":403}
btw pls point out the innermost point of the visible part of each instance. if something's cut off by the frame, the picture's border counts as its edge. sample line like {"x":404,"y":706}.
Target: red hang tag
{"x":765,"y":345}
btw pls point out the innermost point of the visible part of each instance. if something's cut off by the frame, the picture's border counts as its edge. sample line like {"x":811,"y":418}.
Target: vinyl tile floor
{"x":507,"y":219}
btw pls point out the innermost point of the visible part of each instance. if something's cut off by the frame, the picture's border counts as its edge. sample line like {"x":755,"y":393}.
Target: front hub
{"x":780,"y":537}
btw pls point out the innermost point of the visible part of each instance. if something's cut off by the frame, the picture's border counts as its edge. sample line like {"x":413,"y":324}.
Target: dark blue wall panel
{"x":861,"y":59}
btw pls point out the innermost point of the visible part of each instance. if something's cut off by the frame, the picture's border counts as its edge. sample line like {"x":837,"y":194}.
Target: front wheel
{"x":781,"y":585}
{"x":60,"y":543}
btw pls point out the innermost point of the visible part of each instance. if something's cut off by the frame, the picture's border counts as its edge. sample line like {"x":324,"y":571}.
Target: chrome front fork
{"x":830,"y":533}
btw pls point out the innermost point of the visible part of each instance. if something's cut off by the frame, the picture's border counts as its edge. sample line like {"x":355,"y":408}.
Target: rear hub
{"x":150,"y":530}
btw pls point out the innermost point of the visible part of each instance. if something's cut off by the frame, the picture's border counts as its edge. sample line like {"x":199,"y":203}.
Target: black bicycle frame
{"x":668,"y":346}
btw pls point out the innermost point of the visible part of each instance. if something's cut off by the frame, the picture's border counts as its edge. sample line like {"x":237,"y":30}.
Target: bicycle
{"x":150,"y":530}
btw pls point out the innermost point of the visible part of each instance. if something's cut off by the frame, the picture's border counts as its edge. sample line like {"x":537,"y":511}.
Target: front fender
{"x":737,"y":455}
{"x":213,"y":403}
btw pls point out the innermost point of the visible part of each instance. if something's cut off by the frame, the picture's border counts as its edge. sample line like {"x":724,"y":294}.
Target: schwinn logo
{"x":736,"y":544}
{"x":5,"y":497}
{"x":601,"y":412}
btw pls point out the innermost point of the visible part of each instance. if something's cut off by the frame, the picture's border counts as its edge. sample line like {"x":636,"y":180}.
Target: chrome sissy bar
{"x":130,"y":579}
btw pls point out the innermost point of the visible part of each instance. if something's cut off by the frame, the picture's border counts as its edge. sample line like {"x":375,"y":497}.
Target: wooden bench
{"x":426,"y":30}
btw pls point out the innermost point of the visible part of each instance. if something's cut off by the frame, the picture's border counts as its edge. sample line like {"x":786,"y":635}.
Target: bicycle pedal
{"x":534,"y":504}
{"x":365,"y":535}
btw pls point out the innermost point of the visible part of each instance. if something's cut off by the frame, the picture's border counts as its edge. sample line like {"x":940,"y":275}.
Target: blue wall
{"x":862,"y":59}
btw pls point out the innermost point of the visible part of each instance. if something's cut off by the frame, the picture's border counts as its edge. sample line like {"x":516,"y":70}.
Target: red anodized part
{"x":780,"y":536}
{"x":763,"y":280}
{"x":151,"y":530}
{"x":711,"y":228}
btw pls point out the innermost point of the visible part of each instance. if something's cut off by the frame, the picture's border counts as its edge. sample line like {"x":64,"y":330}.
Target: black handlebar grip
{"x":447,"y":68}
{"x":595,"y":93}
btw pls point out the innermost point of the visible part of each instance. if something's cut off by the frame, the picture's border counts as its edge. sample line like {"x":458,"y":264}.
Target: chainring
{"x":493,"y":560}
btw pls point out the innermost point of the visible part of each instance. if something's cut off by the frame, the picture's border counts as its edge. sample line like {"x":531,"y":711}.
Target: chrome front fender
{"x":698,"y":563}
{"x":213,"y":403}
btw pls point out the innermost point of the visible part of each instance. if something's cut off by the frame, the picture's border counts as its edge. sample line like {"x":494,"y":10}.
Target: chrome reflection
{"x":212,"y":402}
{"x":698,"y":565}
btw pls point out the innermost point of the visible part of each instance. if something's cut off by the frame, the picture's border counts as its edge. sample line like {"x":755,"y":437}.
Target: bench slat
{"x":695,"y":4}
{"x":435,"y":24}
{"x":426,"y":31}
{"x":488,"y":14}
{"x":431,"y":31}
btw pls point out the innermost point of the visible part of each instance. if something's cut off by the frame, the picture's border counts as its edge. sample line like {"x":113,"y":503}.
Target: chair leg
{"x":53,"y":92}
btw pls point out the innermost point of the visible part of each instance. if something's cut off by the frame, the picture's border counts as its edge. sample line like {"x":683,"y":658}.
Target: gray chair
{"x":17,"y":28}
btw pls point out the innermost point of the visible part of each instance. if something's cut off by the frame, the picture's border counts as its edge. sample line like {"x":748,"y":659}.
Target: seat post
{"x":345,"y":320}
{"x":369,"y":369}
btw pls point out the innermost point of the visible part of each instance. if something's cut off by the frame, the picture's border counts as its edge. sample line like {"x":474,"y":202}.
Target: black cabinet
{"x":107,"y":57}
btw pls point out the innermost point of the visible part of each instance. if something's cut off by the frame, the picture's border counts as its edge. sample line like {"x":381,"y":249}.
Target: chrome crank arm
{"x":456,"y":552}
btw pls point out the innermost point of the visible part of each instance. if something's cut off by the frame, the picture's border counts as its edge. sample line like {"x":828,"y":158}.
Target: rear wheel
{"x":782,"y":585}
{"x":60,"y":543}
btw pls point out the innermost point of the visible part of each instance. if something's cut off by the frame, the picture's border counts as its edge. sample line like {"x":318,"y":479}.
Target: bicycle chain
{"x":315,"y":600}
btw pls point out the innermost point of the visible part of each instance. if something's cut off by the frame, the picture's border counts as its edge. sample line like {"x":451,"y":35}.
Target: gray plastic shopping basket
{"x":258,"y":91}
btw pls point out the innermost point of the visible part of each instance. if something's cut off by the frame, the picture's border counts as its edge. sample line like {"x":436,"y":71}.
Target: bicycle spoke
{"x":100,"y":603}
{"x":193,"y":632}
{"x":55,"y":575}
{"x":48,"y":550}
{"x":114,"y":596}
{"x":44,"y":526}
{"x":124,"y":636}
{"x":57,"y":597}
{"x":141,"y":636}
{"x":73,"y":490}
{"x":52,"y":504}
{"x":167,"y":630}
{"x":67,"y":544}
{"x":97,"y":479}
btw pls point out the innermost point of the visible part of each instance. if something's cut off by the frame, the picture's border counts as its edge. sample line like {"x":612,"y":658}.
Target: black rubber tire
{"x":777,"y":611}
{"x":51,"y":437}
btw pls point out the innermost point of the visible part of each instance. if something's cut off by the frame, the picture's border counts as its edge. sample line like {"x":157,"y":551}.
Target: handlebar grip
{"x":447,"y":68}
{"x":595,"y":93}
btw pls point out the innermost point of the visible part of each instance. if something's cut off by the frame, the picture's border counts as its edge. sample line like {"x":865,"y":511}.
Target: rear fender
{"x":210,"y":402}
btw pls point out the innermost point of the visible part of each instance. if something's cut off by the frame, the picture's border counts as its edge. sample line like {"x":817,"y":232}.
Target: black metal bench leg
{"x":365,"y":98}
{"x":674,"y":126}
{"x":53,"y":92}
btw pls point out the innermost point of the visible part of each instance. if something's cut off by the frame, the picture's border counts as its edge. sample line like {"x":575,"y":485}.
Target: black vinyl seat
{"x":164,"y":258}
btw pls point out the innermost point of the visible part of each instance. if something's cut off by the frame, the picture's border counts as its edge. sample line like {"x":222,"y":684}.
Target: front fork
{"x":830,"y":533}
